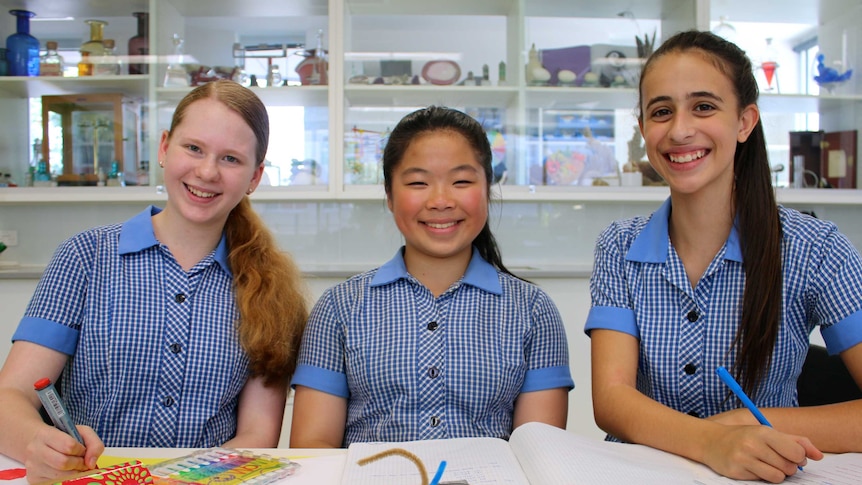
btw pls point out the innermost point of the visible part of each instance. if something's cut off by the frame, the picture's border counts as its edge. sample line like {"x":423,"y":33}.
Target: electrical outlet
{"x":9,"y":238}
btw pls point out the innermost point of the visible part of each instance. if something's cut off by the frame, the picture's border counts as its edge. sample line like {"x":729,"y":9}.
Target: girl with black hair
{"x":442,"y":341}
{"x":719,"y":276}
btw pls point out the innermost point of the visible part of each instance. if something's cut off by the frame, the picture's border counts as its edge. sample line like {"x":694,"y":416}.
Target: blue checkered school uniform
{"x":155,"y":359}
{"x":416,"y":367}
{"x":639,"y":286}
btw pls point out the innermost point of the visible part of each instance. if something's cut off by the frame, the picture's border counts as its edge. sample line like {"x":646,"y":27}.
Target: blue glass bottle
{"x":22,"y":48}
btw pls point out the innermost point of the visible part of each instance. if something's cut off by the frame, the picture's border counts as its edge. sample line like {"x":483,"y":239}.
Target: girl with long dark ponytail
{"x":719,"y":276}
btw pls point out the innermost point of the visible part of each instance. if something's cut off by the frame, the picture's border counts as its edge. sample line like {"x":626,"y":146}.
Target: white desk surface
{"x":319,"y":467}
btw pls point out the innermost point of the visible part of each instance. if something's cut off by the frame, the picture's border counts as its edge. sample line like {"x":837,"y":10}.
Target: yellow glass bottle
{"x":85,"y":67}
{"x":95,"y":46}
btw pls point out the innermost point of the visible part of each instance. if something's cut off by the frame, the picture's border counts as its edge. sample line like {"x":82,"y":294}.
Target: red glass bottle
{"x":139,"y":45}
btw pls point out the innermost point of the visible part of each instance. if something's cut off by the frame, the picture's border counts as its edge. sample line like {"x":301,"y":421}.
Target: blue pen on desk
{"x":56,"y":408}
{"x":439,"y":474}
{"x":734,"y":386}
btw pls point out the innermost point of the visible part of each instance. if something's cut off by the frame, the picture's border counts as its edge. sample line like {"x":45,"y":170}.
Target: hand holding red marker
{"x":56,"y":408}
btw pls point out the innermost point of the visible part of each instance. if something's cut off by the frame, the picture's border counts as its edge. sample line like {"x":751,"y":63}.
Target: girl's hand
{"x":735,"y":417}
{"x":52,"y":454}
{"x":759,"y":452}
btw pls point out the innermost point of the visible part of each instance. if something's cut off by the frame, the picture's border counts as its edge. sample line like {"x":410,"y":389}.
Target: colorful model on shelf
{"x":313,"y":70}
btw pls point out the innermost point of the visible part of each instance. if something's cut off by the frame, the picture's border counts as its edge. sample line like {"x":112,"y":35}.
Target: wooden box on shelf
{"x":96,"y":130}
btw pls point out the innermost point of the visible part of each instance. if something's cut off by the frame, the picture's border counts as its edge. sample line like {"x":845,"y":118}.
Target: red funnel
{"x":769,"y":70}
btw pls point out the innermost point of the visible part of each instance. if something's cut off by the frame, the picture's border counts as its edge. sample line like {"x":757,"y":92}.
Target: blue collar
{"x":651,"y":245}
{"x":137,"y":234}
{"x":479,"y":273}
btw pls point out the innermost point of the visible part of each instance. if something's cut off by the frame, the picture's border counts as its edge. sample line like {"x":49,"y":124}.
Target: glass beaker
{"x":176,"y":75}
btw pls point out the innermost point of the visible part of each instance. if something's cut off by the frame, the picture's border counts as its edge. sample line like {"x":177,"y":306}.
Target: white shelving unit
{"x":499,"y":30}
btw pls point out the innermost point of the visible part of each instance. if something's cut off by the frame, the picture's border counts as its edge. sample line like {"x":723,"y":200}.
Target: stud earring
{"x":162,"y":163}
{"x":249,"y":191}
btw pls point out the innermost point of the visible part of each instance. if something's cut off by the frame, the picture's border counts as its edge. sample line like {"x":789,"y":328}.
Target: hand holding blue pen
{"x":734,"y":386}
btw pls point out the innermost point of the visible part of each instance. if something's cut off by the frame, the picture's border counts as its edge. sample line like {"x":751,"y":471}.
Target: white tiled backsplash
{"x":362,"y":234}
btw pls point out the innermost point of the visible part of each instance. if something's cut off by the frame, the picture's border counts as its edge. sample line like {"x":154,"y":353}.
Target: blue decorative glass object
{"x":22,"y":48}
{"x":830,"y":77}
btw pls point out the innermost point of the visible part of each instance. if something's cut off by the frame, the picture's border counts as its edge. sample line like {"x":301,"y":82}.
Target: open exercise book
{"x":538,"y":454}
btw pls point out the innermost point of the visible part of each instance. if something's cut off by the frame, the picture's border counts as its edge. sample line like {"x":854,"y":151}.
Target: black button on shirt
{"x":433,"y":326}
{"x":694,"y":413}
{"x":168,"y":401}
{"x":690,"y":369}
{"x":435,"y":421}
{"x":692,"y":316}
{"x":433,"y":372}
{"x":179,"y":298}
{"x":176,"y":348}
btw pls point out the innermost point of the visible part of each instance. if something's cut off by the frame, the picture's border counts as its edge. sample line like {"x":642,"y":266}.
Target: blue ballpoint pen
{"x":734,"y":386}
{"x":439,"y":474}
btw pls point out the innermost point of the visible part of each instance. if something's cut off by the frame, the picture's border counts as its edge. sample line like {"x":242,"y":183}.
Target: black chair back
{"x":825,"y":379}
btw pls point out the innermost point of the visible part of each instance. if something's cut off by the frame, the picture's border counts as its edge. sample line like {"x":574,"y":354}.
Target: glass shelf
{"x":22,"y":87}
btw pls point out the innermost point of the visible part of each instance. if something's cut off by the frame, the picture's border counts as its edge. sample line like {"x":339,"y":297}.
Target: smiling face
{"x":210,"y":163}
{"x":692,"y":121}
{"x":439,"y":197}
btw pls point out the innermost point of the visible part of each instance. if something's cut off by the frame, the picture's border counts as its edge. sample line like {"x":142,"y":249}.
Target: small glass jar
{"x":239,"y":75}
{"x":51,"y":63}
{"x":273,"y":76}
{"x":85,"y":67}
{"x":107,"y":64}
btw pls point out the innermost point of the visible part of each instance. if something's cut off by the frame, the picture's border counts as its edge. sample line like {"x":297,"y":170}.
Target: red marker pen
{"x":55,"y":408}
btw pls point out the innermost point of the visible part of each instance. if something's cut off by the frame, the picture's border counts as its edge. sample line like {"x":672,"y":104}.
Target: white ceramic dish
{"x":441,"y":72}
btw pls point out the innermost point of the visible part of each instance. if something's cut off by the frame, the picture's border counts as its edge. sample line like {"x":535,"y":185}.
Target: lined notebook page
{"x":552,"y":456}
{"x":479,"y":461}
{"x":843,"y":469}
